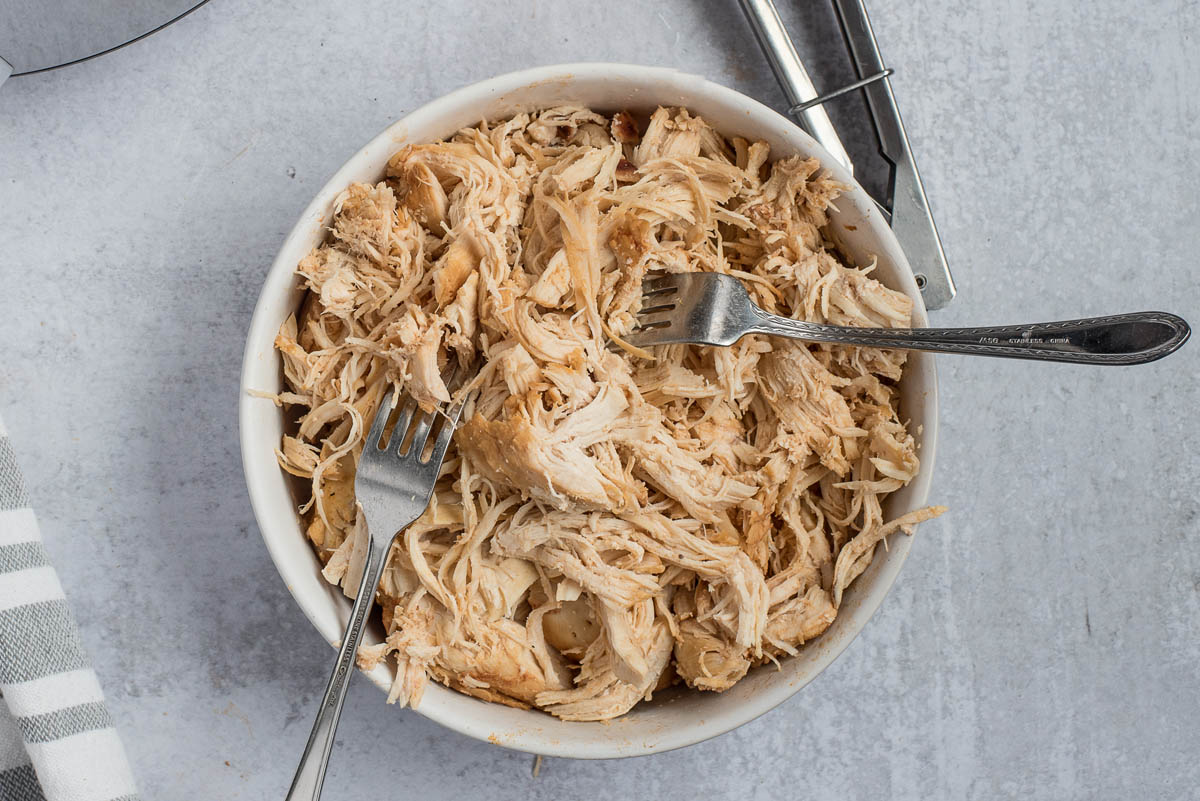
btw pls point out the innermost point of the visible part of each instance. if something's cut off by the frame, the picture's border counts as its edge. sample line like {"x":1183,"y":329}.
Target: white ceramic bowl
{"x":677,"y":717}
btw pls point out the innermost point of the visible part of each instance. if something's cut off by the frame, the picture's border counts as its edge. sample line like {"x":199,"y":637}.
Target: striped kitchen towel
{"x":57,"y":741}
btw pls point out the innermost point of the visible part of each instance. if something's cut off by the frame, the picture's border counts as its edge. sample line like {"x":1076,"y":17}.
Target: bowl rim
{"x":279,"y":280}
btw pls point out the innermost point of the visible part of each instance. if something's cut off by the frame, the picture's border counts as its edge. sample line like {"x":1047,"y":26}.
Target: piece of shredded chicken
{"x":606,"y":523}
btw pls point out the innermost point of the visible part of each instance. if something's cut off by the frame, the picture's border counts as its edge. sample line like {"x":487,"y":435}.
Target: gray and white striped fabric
{"x":57,"y":741}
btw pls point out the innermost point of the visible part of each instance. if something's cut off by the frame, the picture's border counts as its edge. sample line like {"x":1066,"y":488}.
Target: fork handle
{"x":310,"y":774}
{"x":1118,"y":339}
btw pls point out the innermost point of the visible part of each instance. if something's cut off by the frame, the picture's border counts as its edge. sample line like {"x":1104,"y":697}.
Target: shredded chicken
{"x":606,"y":523}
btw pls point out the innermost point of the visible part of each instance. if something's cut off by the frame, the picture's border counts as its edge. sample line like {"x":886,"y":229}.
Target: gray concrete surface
{"x":1043,"y":640}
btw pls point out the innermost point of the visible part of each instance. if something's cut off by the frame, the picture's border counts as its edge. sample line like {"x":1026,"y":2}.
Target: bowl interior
{"x":677,"y":717}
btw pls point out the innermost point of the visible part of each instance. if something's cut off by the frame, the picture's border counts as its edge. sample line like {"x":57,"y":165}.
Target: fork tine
{"x":445,"y":434}
{"x":408,"y":407}
{"x":656,"y":291}
{"x":661,"y":281}
{"x":660,"y":305}
{"x":420,"y":432}
{"x":380,"y":422}
{"x":655,"y":319}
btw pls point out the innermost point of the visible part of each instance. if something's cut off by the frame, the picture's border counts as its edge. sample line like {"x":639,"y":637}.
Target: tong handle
{"x":790,"y":72}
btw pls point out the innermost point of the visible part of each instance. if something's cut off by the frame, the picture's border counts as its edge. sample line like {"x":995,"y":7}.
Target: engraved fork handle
{"x":310,"y":774}
{"x":1118,"y":339}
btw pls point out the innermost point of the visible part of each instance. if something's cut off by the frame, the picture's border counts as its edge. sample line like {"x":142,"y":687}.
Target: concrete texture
{"x":1042,"y":642}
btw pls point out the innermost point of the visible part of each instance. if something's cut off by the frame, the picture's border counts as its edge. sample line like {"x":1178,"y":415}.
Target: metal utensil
{"x":393,"y":485}
{"x":906,"y":206}
{"x":793,"y":77}
{"x":715,"y":309}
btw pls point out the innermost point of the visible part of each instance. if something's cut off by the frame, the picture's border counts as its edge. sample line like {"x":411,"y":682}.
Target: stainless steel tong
{"x":906,"y":205}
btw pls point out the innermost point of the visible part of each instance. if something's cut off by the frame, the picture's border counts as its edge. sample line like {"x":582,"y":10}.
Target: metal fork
{"x":715,"y":309}
{"x":393,"y":485}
